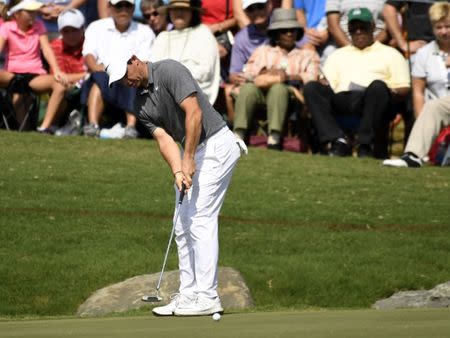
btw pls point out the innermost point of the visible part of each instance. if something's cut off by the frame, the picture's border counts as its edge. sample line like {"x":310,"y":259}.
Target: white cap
{"x":70,"y":17}
{"x":115,"y":2}
{"x":117,"y":68}
{"x":247,"y":3}
{"x":28,"y":5}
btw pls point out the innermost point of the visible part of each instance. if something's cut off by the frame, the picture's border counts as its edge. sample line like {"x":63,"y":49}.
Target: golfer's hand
{"x":179,"y":179}
{"x":188,"y":168}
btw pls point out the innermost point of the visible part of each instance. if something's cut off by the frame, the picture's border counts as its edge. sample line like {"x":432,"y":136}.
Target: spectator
{"x":363,"y":80}
{"x":192,"y":44}
{"x":245,"y":43}
{"x":311,"y":15}
{"x":434,"y":116}
{"x":275,"y":73}
{"x":68,"y":51}
{"x":105,"y":40}
{"x":25,"y":38}
{"x":430,"y":70}
{"x":242,"y":18}
{"x":416,"y":24}
{"x":337,"y":17}
{"x":52,"y":8}
{"x":218,"y":16}
{"x":155,"y":15}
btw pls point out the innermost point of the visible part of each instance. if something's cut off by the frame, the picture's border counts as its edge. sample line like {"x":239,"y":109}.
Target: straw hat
{"x":182,"y":4}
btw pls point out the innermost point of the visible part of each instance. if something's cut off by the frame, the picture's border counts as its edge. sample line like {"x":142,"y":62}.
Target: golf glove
{"x":242,"y":146}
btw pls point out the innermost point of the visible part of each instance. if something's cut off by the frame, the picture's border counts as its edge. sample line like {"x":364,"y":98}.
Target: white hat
{"x":115,"y":2}
{"x":118,"y":68}
{"x":70,"y":17}
{"x":247,"y":3}
{"x":28,"y":5}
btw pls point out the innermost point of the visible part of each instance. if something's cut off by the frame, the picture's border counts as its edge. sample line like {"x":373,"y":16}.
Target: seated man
{"x":273,"y":72}
{"x":434,"y":116}
{"x":105,"y":40}
{"x":363,"y":80}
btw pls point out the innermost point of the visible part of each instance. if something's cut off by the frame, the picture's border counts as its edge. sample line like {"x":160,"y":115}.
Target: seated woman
{"x":24,"y":38}
{"x":430,"y":77}
{"x":275,"y":73}
{"x":192,"y":44}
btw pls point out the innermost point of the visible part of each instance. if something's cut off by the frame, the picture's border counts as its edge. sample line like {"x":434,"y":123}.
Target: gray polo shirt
{"x":158,"y":105}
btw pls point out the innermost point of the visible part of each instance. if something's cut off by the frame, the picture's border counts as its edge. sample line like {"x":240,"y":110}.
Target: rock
{"x":437,"y":297}
{"x":127,"y":295}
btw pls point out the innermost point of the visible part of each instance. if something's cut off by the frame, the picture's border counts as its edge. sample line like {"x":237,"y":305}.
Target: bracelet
{"x":177,"y":172}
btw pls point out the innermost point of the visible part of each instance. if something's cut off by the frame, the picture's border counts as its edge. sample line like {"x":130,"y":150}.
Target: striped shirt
{"x":273,"y":57}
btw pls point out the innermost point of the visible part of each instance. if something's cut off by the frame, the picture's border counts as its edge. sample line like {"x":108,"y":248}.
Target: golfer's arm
{"x":168,"y":149}
{"x":193,"y":123}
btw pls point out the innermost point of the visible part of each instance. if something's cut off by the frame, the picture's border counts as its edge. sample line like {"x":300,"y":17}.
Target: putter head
{"x":151,"y":299}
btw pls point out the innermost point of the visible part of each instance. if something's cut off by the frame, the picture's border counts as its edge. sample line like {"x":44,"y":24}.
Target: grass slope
{"x":306,"y":231}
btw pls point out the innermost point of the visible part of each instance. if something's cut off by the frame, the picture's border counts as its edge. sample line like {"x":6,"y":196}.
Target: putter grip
{"x":182,"y":193}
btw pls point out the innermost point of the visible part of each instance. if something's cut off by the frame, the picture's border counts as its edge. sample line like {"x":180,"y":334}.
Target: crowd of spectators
{"x":352,"y":66}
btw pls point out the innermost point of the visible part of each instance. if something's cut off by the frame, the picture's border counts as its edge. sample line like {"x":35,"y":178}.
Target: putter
{"x":157,"y":298}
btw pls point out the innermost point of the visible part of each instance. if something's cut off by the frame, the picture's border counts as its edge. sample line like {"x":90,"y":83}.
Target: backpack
{"x":440,"y":146}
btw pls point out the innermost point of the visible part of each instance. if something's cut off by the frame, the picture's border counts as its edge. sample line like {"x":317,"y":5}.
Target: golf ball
{"x":216,"y":316}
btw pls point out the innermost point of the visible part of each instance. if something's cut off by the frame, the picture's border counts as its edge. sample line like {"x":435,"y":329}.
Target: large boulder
{"x":434,"y":298}
{"x":127,"y":295}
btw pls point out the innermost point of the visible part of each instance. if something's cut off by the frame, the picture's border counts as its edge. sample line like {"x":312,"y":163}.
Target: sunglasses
{"x":148,"y":15}
{"x":256,"y":7}
{"x":352,"y":29}
{"x":123,"y":4}
{"x":287,"y":30}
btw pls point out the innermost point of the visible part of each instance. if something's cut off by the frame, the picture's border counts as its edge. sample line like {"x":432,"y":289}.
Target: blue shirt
{"x":314,"y":11}
{"x":245,"y":42}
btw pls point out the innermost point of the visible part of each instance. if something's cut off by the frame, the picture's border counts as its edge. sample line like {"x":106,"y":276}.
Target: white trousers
{"x":434,"y":116}
{"x":196,"y":229}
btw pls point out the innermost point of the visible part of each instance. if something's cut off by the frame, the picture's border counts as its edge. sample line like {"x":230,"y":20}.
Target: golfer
{"x":172,"y":106}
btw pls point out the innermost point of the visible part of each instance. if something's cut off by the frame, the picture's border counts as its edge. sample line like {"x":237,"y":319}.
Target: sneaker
{"x":73,"y":125}
{"x":91,"y":130}
{"x":202,"y":306}
{"x":365,"y":150}
{"x":130,"y":132}
{"x":408,"y":160}
{"x":47,"y":131}
{"x":116,"y":132}
{"x":340,"y":148}
{"x":175,"y":301}
{"x":273,"y":141}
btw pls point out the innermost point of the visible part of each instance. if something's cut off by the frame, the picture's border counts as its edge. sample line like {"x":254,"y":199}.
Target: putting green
{"x":429,"y":323}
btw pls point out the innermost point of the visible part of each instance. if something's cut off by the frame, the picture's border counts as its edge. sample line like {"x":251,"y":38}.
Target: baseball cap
{"x":27,"y":5}
{"x":117,"y":68}
{"x":70,"y":17}
{"x":115,"y":2}
{"x":248,"y":3}
{"x":361,"y":14}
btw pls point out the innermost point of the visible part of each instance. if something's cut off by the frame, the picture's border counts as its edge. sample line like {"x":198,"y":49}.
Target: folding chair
{"x":19,"y":85}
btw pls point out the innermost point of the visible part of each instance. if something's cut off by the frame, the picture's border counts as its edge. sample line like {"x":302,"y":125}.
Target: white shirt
{"x":429,"y":64}
{"x":105,"y":42}
{"x":195,"y":48}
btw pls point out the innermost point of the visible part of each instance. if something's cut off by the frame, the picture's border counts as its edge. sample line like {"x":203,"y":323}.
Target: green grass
{"x":305,"y":231}
{"x":314,"y":324}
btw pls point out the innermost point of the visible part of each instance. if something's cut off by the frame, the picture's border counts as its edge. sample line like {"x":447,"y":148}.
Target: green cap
{"x":361,"y":14}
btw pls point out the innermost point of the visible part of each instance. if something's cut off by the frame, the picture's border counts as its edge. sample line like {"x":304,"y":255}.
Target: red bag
{"x":439,"y":147}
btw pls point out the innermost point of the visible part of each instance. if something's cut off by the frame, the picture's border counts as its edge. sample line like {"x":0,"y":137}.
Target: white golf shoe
{"x":175,"y":301}
{"x":202,"y":306}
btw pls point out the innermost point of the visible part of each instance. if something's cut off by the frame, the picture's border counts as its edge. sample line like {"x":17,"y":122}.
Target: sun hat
{"x":182,"y":4}
{"x":361,"y":14}
{"x":27,"y":5}
{"x":248,"y":3}
{"x":115,"y":2}
{"x":70,"y":17}
{"x":283,"y":18}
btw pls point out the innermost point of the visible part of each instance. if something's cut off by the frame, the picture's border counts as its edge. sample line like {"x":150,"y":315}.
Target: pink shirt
{"x":23,"y":51}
